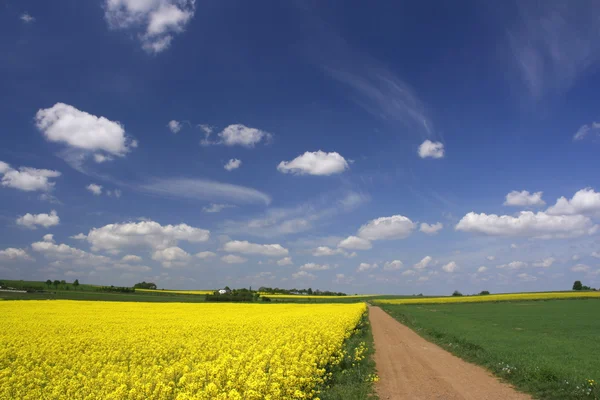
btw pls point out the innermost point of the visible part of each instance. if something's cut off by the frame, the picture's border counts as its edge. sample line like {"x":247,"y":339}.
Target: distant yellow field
{"x":491,"y":297}
{"x":300,"y":296}
{"x":176,"y":291}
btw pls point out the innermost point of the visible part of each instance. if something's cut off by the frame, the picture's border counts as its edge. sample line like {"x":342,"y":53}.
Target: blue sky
{"x":394,"y":148}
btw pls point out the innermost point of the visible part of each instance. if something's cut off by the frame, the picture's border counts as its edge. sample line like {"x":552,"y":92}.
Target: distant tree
{"x":48,"y":283}
{"x":586,"y":288}
{"x":309,"y":291}
{"x":56,"y":283}
{"x":145,"y":285}
{"x":76,"y":283}
{"x":577,"y":285}
{"x":484,"y":292}
{"x":63,"y":282}
{"x":457,"y":293}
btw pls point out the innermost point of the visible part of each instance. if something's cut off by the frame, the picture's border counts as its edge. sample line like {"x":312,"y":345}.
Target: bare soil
{"x":409,"y":367}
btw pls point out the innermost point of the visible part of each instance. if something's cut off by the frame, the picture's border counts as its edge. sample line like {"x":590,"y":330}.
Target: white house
{"x":222,"y":291}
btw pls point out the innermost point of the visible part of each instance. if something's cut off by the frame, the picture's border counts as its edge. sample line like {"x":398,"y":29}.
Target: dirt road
{"x":409,"y":367}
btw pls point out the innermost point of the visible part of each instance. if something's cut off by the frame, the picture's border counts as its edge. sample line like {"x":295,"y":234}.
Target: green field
{"x":550,"y":349}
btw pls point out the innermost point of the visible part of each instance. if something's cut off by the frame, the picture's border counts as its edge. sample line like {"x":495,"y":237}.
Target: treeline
{"x":115,"y":289}
{"x":235,"y":295}
{"x":308,"y":291}
{"x":145,"y":285}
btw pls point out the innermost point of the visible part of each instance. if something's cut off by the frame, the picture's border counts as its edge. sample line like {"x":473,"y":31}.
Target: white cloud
{"x":205,"y":254}
{"x":114,"y":237}
{"x":450,"y":267}
{"x":526,"y":277}
{"x":527,"y":223}
{"x":95,"y":189}
{"x":174,"y":126}
{"x":25,"y":17}
{"x":431,"y":229}
{"x":394,"y":227}
{"x":314,"y":267}
{"x":408,"y":272}
{"x":237,"y":135}
{"x":355,"y":243}
{"x":79,"y":236}
{"x":594,"y":254}
{"x":215,"y":208}
{"x":491,"y":258}
{"x":513,"y":246}
{"x":245,"y":247}
{"x":285,"y":261}
{"x":27,"y":178}
{"x":366,"y":267}
{"x":393,"y":265}
{"x":206,"y":190}
{"x":116,"y":193}
{"x":324,"y":251}
{"x":431,"y":149}
{"x":303,"y":275}
{"x":46,"y":220}
{"x":482,"y":269}
{"x":513,"y":265}
{"x":232,"y":164}
{"x":155,"y":20}
{"x":171,"y":257}
{"x":131,"y":258}
{"x":580,"y":268}
{"x":585,"y":201}
{"x":545,"y":263}
{"x":524,"y":199}
{"x":233,"y":259}
{"x":423,"y":263}
{"x":594,"y":127}
{"x":315,"y":163}
{"x":12,"y":254}
{"x":100,"y":158}
{"x":48,"y":238}
{"x":81,"y":130}
{"x":66,"y":252}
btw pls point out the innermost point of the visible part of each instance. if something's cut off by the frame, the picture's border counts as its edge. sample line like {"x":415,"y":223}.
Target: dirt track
{"x":409,"y":367}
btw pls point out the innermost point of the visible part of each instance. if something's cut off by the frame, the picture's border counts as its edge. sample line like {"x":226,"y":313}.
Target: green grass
{"x":351,"y":379}
{"x":547,"y":348}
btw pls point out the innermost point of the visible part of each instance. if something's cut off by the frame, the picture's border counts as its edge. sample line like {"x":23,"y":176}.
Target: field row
{"x":491,"y":298}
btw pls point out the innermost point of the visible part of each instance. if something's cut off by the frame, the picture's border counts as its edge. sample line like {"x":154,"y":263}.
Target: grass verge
{"x":545,"y":348}
{"x":353,"y":378}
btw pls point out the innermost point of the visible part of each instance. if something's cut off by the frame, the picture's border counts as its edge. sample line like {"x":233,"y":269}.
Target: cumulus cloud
{"x":66,"y":252}
{"x":580,"y":268}
{"x":245,"y":247}
{"x":431,"y":149}
{"x":315,"y":163}
{"x":524,"y":199}
{"x":526,"y":277}
{"x":114,"y":237}
{"x":314,"y":267}
{"x":95,"y":189}
{"x":527,"y":223}
{"x":366,"y":267}
{"x":78,"y":129}
{"x":33,"y":220}
{"x":131,"y":258}
{"x":585,"y":130}
{"x":236,"y":135}
{"x":394,"y":227}
{"x":233,"y":259}
{"x":285,"y":261}
{"x":450,"y":267}
{"x":393,"y":265}
{"x":48,"y":238}
{"x":27,"y":179}
{"x":482,"y":269}
{"x":491,"y":258}
{"x":79,"y":236}
{"x":408,"y":272}
{"x":355,"y":243}
{"x":174,"y":126}
{"x":423,"y":263}
{"x":171,"y":257}
{"x":512,"y":265}
{"x":100,"y":158}
{"x":232,"y":164}
{"x":545,"y":263}
{"x":585,"y":201}
{"x":324,"y":251}
{"x":431,"y":229}
{"x":595,"y":254}
{"x":156,"y":22}
{"x":205,"y":254}
{"x":215,"y":208}
{"x":12,"y":254}
{"x":303,"y":275}
{"x":25,"y":17}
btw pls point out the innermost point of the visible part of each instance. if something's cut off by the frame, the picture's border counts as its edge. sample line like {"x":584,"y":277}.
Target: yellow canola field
{"x":491,"y":297}
{"x":310,"y":296}
{"x":175,"y":291}
{"x":110,"y":350}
